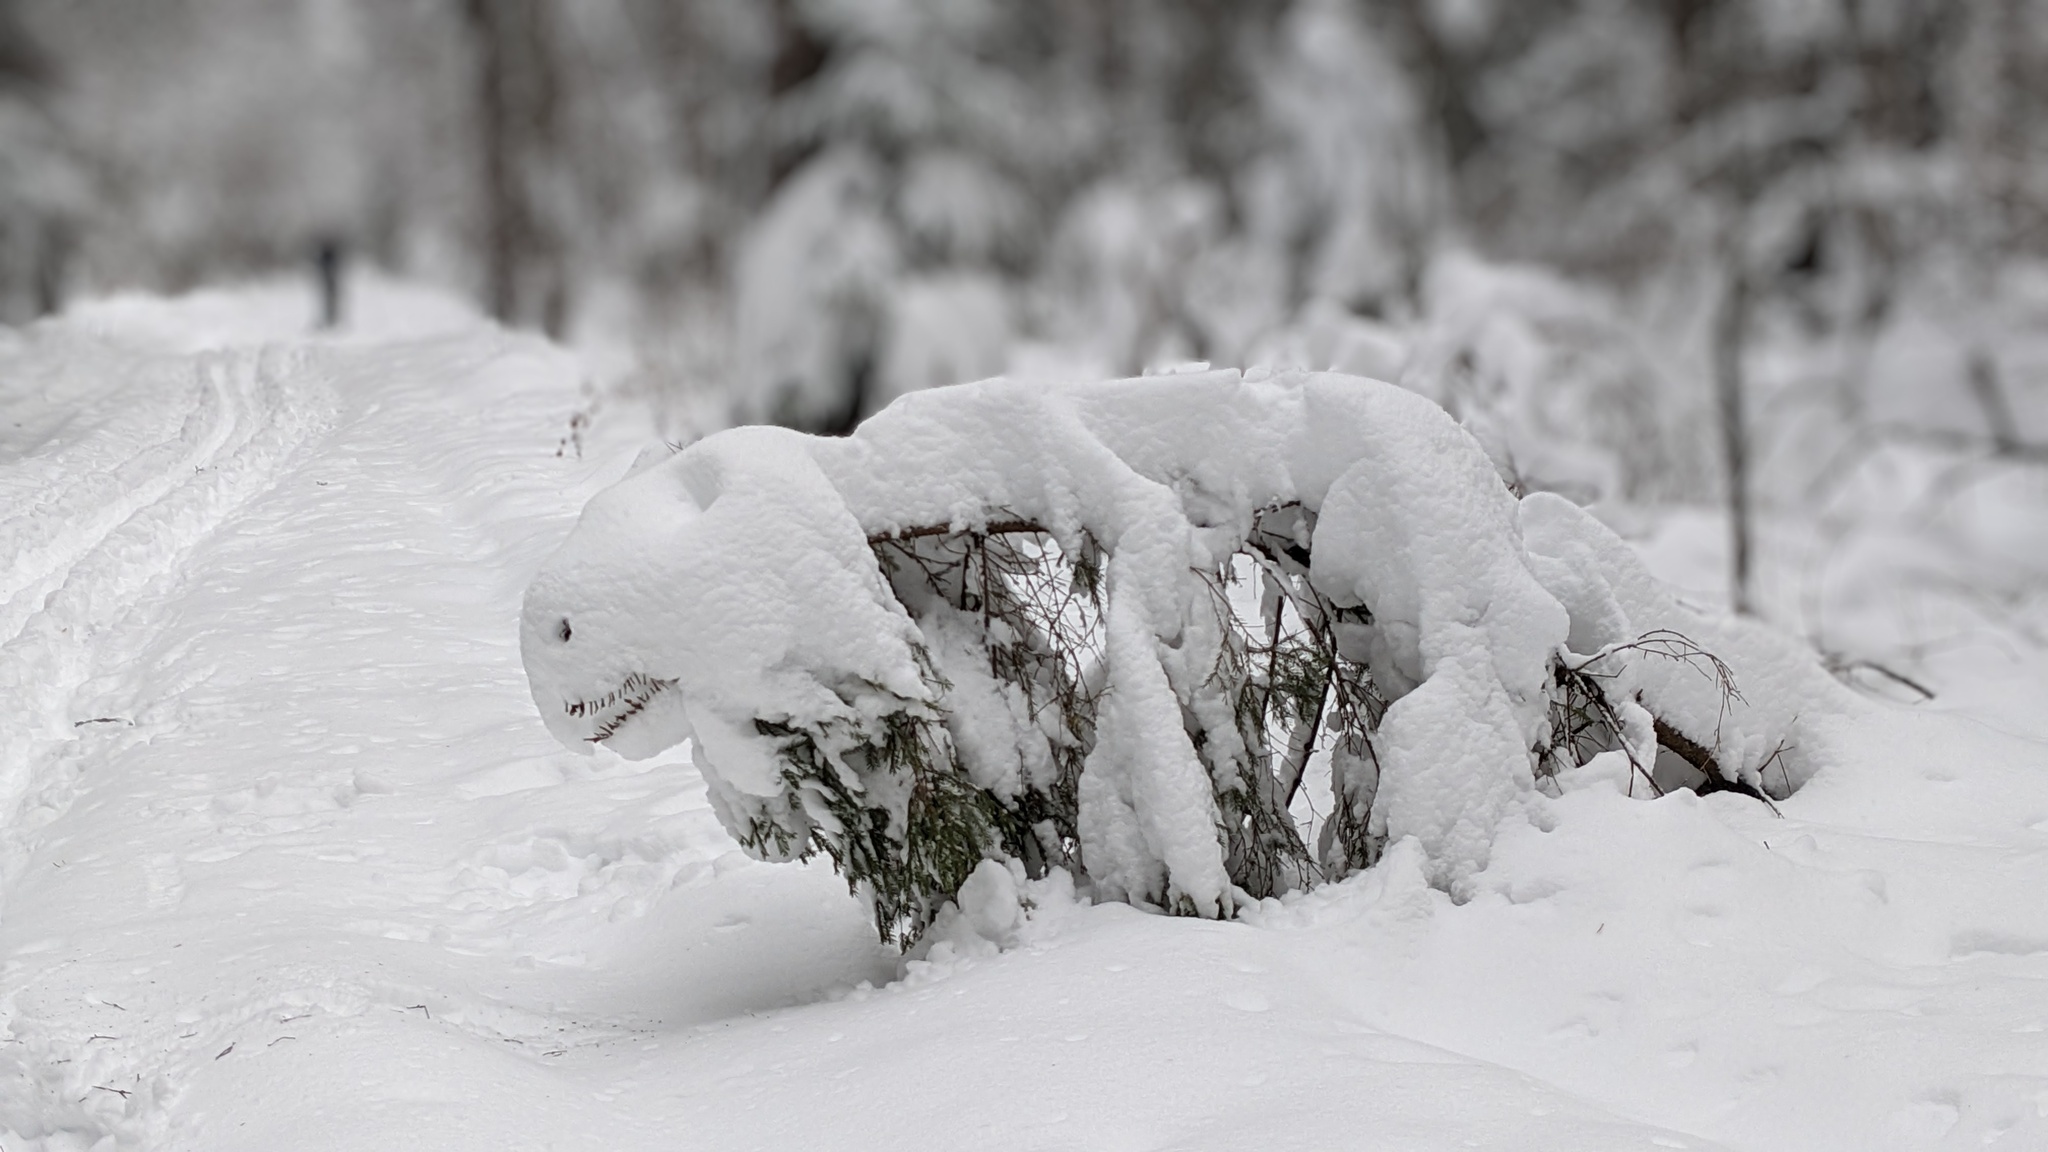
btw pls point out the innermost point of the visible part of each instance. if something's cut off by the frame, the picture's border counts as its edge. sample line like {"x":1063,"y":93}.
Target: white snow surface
{"x":291,"y":861}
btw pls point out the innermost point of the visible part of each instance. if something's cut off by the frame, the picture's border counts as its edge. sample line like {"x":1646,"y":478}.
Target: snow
{"x":314,"y":873}
{"x":808,"y":289}
{"x":738,"y":575}
{"x":942,"y":329}
{"x":1614,"y":602}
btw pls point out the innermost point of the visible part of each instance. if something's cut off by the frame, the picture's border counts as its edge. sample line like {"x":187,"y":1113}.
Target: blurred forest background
{"x":1784,"y":262}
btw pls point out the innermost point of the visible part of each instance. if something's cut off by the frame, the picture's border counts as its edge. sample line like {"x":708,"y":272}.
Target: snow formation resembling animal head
{"x":725,"y":585}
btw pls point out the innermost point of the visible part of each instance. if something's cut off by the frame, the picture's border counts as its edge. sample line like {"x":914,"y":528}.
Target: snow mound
{"x":994,"y":623}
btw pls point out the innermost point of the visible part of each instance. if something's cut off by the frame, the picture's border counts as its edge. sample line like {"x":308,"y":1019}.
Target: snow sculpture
{"x":995,"y":623}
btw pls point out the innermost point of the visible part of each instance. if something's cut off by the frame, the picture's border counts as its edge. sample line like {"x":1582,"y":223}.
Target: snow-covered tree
{"x":1007,"y":622}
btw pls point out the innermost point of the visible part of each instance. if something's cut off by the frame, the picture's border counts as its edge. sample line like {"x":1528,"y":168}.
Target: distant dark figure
{"x":53,"y":250}
{"x":327,"y":266}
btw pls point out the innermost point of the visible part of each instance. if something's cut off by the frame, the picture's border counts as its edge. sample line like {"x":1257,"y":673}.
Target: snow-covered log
{"x":995,"y":623}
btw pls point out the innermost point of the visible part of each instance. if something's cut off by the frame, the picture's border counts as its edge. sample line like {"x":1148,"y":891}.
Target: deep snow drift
{"x":292,"y":862}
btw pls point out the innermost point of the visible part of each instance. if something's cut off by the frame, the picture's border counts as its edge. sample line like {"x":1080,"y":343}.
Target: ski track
{"x":291,"y":863}
{"x":262,"y":626}
{"x":99,"y":550}
{"x":92,"y":560}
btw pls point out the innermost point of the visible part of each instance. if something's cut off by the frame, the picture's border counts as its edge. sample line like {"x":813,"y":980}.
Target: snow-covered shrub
{"x":1552,"y":379}
{"x":1325,"y":336}
{"x":1347,"y":187}
{"x":943,"y":328}
{"x":995,"y":623}
{"x":809,"y":291}
{"x":1119,"y":269}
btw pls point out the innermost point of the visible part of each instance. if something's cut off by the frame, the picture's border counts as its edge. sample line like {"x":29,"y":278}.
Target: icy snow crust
{"x":734,"y":583}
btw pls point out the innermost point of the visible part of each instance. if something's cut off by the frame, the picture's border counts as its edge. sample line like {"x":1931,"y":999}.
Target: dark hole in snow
{"x":563,"y":631}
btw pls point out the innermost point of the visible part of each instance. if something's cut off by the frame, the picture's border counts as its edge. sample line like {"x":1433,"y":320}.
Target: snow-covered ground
{"x":290,"y":861}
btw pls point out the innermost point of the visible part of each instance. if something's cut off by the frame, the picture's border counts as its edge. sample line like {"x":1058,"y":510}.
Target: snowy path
{"x":291,"y":863}
{"x":278,"y":761}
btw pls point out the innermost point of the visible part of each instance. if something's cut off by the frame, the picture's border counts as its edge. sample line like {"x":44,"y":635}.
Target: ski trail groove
{"x":93,"y":559}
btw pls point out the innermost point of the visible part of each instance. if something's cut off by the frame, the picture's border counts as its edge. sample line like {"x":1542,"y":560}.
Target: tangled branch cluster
{"x":1291,"y":676}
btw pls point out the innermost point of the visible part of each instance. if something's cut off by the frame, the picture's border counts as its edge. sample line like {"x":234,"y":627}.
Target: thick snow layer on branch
{"x":730,"y":593}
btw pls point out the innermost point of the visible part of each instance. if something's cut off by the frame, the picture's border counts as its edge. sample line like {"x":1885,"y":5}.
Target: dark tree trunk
{"x":501,"y":200}
{"x":523,"y":257}
{"x":1731,"y":334}
{"x":327,"y":270}
{"x":53,"y":252}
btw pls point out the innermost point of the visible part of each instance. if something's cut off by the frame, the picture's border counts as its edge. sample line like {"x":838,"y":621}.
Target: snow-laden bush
{"x":811,"y":285}
{"x":1552,"y":377}
{"x":996,"y":623}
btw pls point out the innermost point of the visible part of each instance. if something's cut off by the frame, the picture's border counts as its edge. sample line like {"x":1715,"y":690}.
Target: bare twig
{"x":1844,"y":669}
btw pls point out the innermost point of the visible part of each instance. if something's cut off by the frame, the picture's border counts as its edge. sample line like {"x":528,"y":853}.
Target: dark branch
{"x":1697,"y":755}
